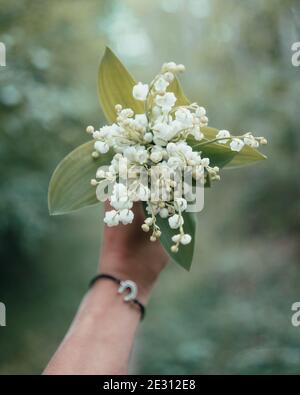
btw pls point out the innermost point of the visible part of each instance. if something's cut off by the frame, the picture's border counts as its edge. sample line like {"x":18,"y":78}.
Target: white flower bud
{"x":126,"y":113}
{"x":148,"y":137}
{"x":171,"y":147}
{"x":158,"y":233}
{"x":174,"y":249}
{"x":180,"y":68}
{"x":156,"y":156}
{"x":176,"y":238}
{"x":205,"y":162}
{"x":145,"y":228}
{"x":140,"y":91}
{"x":94,"y":182}
{"x":250,"y":140}
{"x":204,"y":120}
{"x":168,"y":76}
{"x":101,"y":147}
{"x":236,"y":145}
{"x":95,"y":154}
{"x":200,"y":112}
{"x":164,"y":212}
{"x":149,"y":221}
{"x":166,"y":101}
{"x":170,"y":66}
{"x":90,"y":129}
{"x":198,"y":134}
{"x":222,"y":134}
{"x":185,"y":239}
{"x":126,"y":216}
{"x":156,"y":112}
{"x":111,"y":218}
{"x":153,"y":239}
{"x":96,"y":134}
{"x":161,"y":85}
{"x":181,"y":203}
{"x":100,"y":173}
{"x":175,"y":221}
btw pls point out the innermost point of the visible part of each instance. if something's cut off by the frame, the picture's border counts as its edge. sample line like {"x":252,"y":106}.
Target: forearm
{"x":101,"y":337}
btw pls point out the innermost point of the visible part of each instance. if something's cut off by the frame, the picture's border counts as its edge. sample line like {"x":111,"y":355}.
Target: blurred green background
{"x":232,"y":313}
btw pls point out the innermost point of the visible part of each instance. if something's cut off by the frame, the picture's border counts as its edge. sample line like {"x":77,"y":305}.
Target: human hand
{"x":127,"y":253}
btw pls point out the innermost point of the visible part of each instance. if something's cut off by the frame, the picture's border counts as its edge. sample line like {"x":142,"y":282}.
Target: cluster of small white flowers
{"x":238,"y":142}
{"x":156,"y":138}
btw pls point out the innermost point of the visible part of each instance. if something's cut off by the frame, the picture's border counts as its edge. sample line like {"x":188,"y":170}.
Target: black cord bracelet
{"x":123,"y":285}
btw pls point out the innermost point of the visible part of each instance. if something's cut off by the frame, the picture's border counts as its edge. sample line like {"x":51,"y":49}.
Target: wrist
{"x":106,"y":290}
{"x":129,"y":268}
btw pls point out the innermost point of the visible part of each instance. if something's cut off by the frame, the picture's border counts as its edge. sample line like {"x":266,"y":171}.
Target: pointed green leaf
{"x":184,"y":256}
{"x":115,"y":87}
{"x":247,"y":156}
{"x":70,"y":187}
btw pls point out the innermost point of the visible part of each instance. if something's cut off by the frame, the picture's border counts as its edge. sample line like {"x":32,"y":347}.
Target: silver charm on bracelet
{"x":131,"y":286}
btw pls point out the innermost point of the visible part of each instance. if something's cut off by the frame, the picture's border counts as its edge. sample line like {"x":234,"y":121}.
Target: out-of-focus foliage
{"x":47,"y":94}
{"x":232,"y":314}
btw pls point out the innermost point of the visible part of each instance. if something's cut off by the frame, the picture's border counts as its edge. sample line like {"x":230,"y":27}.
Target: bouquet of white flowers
{"x":157,"y":149}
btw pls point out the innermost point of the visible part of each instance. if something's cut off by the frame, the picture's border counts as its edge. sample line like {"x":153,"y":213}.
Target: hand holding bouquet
{"x":157,"y":149}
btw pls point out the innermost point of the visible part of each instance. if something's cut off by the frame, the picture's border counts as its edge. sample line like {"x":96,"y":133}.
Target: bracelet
{"x":123,"y":286}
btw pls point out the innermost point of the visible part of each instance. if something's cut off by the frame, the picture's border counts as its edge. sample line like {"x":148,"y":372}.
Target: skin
{"x":101,"y":336}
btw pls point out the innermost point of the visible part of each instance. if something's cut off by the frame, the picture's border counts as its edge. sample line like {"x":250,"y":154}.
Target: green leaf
{"x":184,"y":257}
{"x":247,"y":156}
{"x":221,"y":155}
{"x":115,"y":86}
{"x":70,"y":187}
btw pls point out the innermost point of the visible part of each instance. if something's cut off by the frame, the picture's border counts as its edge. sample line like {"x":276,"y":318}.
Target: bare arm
{"x":101,"y":337}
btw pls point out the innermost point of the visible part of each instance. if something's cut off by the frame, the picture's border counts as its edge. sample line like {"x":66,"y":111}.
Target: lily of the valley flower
{"x":166,"y":101}
{"x":223,"y":134}
{"x":140,"y":91}
{"x":236,"y":145}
